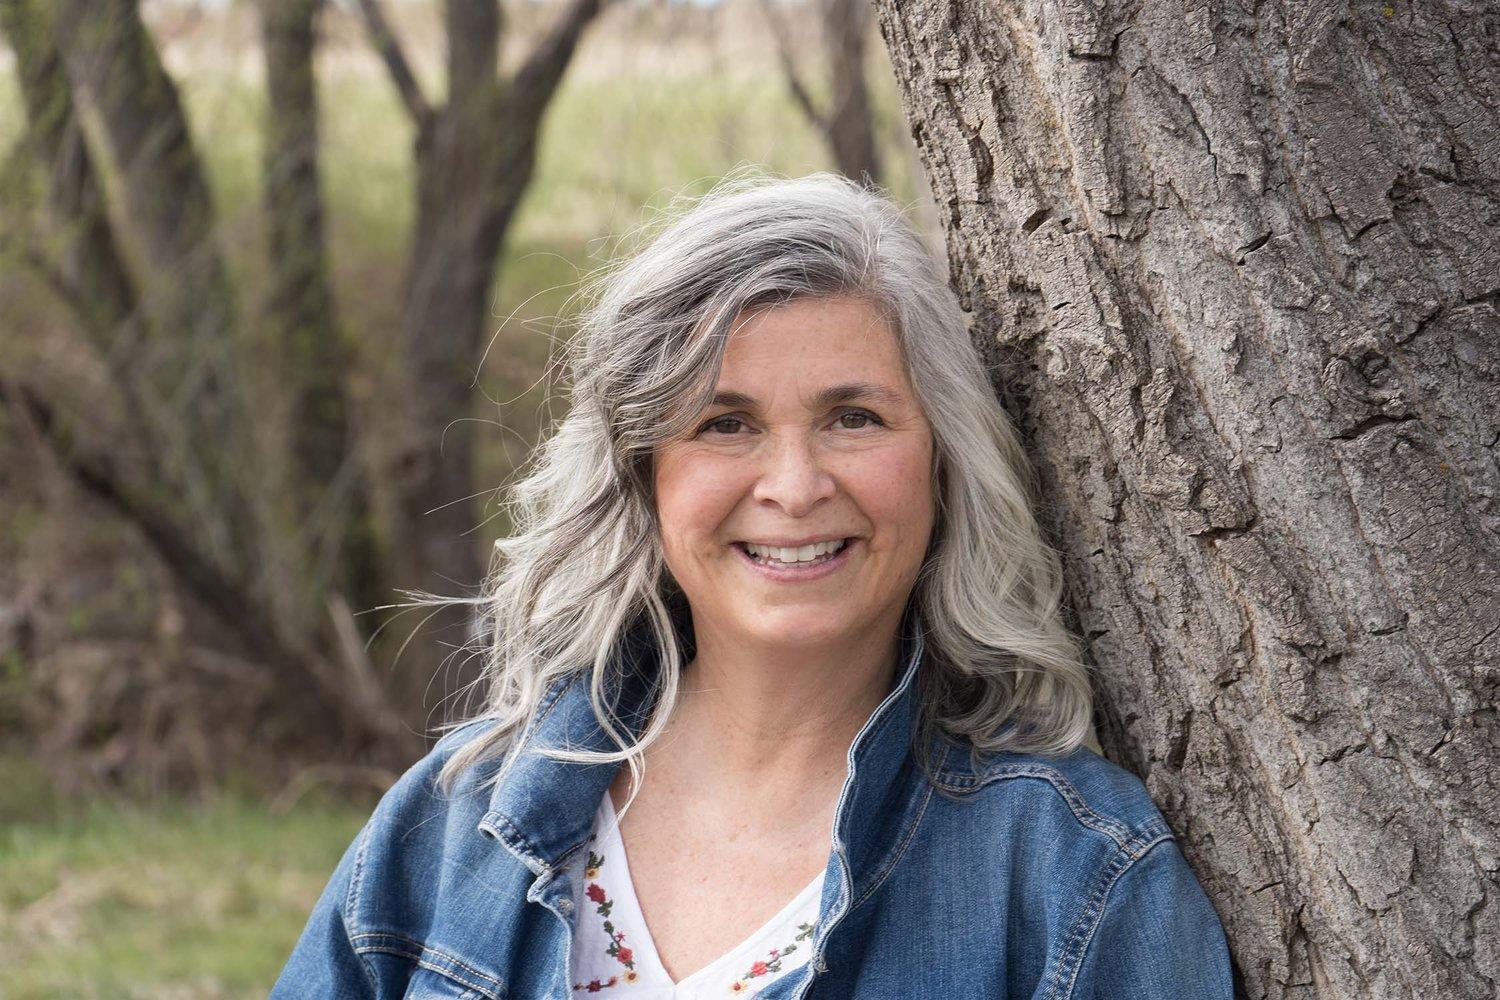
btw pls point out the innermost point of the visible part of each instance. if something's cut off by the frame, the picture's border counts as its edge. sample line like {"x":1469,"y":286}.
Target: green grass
{"x":168,"y":899}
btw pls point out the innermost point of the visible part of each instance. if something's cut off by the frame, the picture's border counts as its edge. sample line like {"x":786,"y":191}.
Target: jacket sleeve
{"x":1157,"y":936}
{"x":324,"y":963}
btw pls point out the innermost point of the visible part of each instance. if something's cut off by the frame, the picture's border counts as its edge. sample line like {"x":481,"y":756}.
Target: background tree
{"x":847,"y":119}
{"x":234,"y":451}
{"x":155,"y":310}
{"x":475,"y":154}
{"x":1237,"y":267}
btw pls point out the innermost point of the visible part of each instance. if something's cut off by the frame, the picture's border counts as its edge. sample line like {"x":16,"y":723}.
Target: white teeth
{"x":806,"y":553}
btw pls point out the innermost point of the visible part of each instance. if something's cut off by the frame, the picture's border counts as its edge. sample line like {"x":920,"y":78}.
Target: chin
{"x":801,"y":627}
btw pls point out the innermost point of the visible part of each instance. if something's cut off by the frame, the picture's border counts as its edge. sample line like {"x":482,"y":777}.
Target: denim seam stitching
{"x":352,"y":899}
{"x":544,"y":708}
{"x":881,"y":724}
{"x":386,"y":941}
{"x":440,"y":961}
{"x":1118,"y":831}
{"x":550,"y":702}
{"x":871,"y":736}
{"x":478,"y":974}
{"x":512,"y":837}
{"x":448,"y":973}
{"x":1115,"y":830}
{"x":898,"y":853}
{"x":1083,"y":931}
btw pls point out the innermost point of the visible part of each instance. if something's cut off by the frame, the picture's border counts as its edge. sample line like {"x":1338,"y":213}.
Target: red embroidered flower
{"x":625,"y":955}
{"x":595,"y":986}
{"x":596,"y":893}
{"x":758,"y":969}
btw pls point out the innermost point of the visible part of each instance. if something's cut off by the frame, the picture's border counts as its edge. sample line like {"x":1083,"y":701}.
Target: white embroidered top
{"x":612,"y":948}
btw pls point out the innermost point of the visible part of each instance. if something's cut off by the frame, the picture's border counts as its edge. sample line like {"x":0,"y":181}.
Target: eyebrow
{"x":832,"y":395}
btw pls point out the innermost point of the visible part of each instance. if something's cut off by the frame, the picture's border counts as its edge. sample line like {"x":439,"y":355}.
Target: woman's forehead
{"x":820,"y":337}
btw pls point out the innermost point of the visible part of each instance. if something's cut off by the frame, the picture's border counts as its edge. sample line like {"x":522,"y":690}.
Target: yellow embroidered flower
{"x":591,"y":873}
{"x":631,"y":975}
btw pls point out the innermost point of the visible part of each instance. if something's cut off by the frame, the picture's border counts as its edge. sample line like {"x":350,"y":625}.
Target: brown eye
{"x":719,"y":422}
{"x":863,"y":415}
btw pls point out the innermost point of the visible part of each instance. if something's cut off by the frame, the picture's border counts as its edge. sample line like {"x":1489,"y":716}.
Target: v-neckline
{"x":612,"y":838}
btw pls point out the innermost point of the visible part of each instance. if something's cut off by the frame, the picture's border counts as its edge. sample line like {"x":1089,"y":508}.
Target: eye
{"x":720,"y":422}
{"x":864,"y":415}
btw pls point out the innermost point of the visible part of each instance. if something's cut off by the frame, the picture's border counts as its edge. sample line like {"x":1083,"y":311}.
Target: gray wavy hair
{"x":584,"y":565}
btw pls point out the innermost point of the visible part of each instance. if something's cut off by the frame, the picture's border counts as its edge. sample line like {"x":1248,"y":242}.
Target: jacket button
{"x":565,"y":905}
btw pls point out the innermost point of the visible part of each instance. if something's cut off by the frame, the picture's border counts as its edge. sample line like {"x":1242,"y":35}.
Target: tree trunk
{"x":174,"y":368}
{"x":325,"y":509}
{"x":475,"y":155}
{"x":184,"y":286}
{"x":92,"y":271}
{"x":848,"y":122}
{"x":217,"y":521}
{"x":1237,"y":269}
{"x":851,"y":119}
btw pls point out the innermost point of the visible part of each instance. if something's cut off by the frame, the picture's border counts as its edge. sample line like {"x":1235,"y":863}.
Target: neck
{"x":777,"y":721}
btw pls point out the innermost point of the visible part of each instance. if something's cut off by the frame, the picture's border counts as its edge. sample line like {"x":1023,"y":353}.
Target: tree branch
{"x":536,"y":80}
{"x":300,"y":322}
{"x":389,"y":47}
{"x":473,"y":29}
{"x":97,"y":473}
{"x":191,"y":368}
{"x":91,"y":278}
{"x":294,"y":664}
{"x":63,"y":288}
{"x":789,"y":68}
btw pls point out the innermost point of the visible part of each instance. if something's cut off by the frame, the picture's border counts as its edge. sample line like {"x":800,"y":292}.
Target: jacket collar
{"x":544,"y":808}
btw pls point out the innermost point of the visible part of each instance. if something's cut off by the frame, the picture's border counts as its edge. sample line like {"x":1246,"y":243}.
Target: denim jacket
{"x":1034,"y":877}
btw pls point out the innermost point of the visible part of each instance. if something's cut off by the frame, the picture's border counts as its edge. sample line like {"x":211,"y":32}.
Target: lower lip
{"x":796,"y":573}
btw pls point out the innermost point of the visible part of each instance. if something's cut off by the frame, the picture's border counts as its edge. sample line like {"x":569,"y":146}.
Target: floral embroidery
{"x":621,"y":953}
{"x":617,"y":948}
{"x":772,"y":963}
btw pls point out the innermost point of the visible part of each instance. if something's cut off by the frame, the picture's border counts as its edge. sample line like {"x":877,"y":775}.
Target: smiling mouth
{"x":763,"y":556}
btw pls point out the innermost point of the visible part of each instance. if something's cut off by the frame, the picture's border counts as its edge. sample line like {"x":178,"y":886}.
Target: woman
{"x":780,"y":560}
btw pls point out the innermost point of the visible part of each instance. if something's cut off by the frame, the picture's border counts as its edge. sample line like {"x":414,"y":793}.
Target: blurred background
{"x":281,"y":283}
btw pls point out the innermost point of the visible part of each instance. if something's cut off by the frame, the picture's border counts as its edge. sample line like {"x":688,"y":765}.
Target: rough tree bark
{"x":90,"y":271}
{"x":1236,"y":266}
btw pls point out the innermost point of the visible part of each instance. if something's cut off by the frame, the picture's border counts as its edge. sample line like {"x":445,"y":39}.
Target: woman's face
{"x":815,"y":436}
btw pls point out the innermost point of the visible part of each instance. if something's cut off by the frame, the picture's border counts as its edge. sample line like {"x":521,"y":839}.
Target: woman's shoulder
{"x":417,"y":797}
{"x":1111,"y":905}
{"x":1079,"y":792}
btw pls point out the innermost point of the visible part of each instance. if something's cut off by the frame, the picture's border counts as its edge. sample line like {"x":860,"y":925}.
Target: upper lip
{"x":796,"y":543}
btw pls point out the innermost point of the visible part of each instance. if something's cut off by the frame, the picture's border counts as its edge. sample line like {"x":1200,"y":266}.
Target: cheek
{"x":693,"y":498}
{"x":901,"y":484}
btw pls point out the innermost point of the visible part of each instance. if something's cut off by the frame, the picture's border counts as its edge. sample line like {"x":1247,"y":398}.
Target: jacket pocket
{"x":427,"y":984}
{"x":429,"y":973}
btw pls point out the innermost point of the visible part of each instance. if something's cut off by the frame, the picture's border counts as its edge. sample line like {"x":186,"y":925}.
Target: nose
{"x":792,"y":476}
